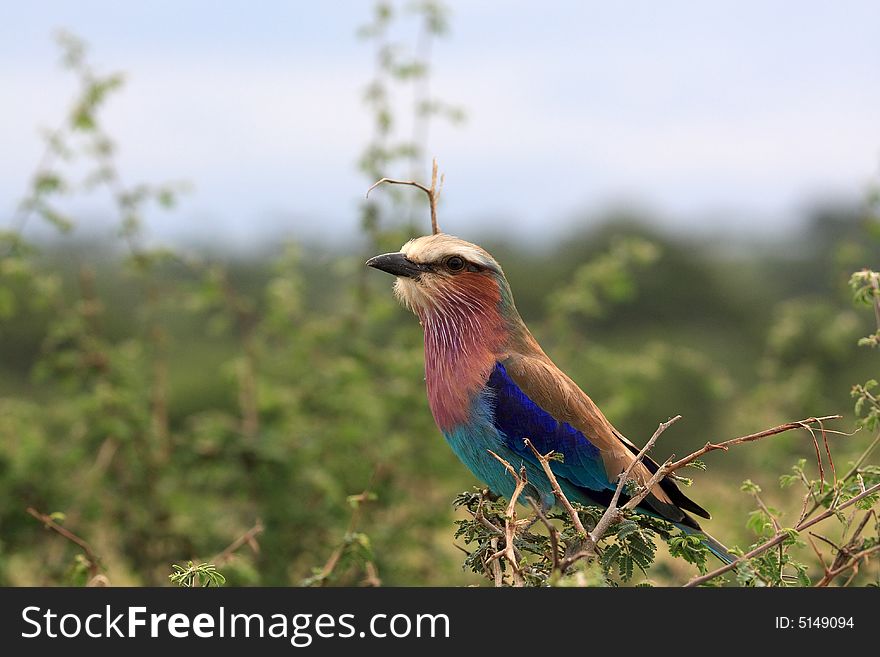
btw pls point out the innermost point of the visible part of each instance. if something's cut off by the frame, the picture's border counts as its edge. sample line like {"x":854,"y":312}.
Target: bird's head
{"x":470,"y":322}
{"x":442,"y":274}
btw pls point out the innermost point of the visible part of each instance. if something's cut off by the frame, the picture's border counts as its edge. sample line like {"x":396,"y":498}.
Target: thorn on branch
{"x":544,"y":460}
{"x":782,"y":428}
{"x":510,"y":524}
{"x":612,"y":513}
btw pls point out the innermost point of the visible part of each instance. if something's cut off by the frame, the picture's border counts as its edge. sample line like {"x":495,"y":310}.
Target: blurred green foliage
{"x":165,"y":402}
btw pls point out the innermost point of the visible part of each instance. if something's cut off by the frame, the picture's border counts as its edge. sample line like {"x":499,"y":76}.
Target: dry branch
{"x":92,"y":560}
{"x":781,"y":536}
{"x":553,"y":534}
{"x":497,"y":575}
{"x":481,"y":518}
{"x":612,"y":512}
{"x":544,"y":459}
{"x":727,"y":444}
{"x":433,"y":192}
{"x":847,"y":556}
{"x":248,"y":537}
{"x":510,"y":524}
{"x":853,"y":470}
{"x":668,"y":467}
{"x":853,"y":562}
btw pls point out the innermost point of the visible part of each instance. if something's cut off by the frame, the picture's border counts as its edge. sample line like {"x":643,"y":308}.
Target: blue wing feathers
{"x":517,"y":417}
{"x":504,"y":415}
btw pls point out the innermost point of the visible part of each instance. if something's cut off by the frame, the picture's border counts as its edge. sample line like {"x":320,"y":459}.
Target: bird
{"x":490,"y":386}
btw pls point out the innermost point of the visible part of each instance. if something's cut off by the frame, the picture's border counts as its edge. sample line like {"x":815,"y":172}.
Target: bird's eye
{"x":455,"y":263}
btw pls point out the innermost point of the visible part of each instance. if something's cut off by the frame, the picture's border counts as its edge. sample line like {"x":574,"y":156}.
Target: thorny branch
{"x":781,"y":536}
{"x":552,"y":532}
{"x":544,"y":459}
{"x":848,"y":556}
{"x":670,"y":466}
{"x":853,"y":562}
{"x":481,"y":518}
{"x":612,"y":513}
{"x":510,"y":523}
{"x":853,"y":470}
{"x":614,"y":510}
{"x":727,"y":444}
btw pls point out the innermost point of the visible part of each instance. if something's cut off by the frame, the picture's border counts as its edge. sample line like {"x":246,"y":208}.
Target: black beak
{"x":396,"y":264}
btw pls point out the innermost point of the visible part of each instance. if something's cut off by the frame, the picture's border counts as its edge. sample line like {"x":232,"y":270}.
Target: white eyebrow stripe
{"x":434,"y":248}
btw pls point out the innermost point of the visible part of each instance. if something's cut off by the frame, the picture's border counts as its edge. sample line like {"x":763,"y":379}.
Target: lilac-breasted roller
{"x":490,"y":386}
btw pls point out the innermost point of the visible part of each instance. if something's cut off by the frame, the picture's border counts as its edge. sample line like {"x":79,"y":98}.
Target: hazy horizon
{"x":708,"y":118}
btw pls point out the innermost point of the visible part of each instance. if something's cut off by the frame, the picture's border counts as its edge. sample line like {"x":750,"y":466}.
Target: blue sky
{"x":734,"y":116}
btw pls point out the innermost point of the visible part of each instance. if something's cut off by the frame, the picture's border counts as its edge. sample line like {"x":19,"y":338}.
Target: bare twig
{"x":818,"y":455}
{"x":552,"y":532}
{"x":371,"y":575}
{"x":857,"y":534}
{"x":544,"y":460}
{"x":248,"y":537}
{"x":613,"y":512}
{"x":433,"y":192}
{"x":510,"y":524}
{"x":810,"y":494}
{"x":825,"y":433}
{"x":767,"y":513}
{"x":92,"y":560}
{"x":818,"y":554}
{"x":853,"y":561}
{"x":825,"y":540}
{"x":727,"y":444}
{"x":848,"y":555}
{"x":781,"y":536}
{"x":670,"y":466}
{"x":853,"y":470}
{"x":481,"y":518}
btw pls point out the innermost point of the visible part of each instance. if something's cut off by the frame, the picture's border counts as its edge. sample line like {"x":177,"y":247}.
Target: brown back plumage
{"x":549,"y":387}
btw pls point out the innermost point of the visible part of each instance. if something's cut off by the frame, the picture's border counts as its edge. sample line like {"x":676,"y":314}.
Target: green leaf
{"x":627,"y":527}
{"x":802,"y":577}
{"x":47,"y":182}
{"x":749,"y":486}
